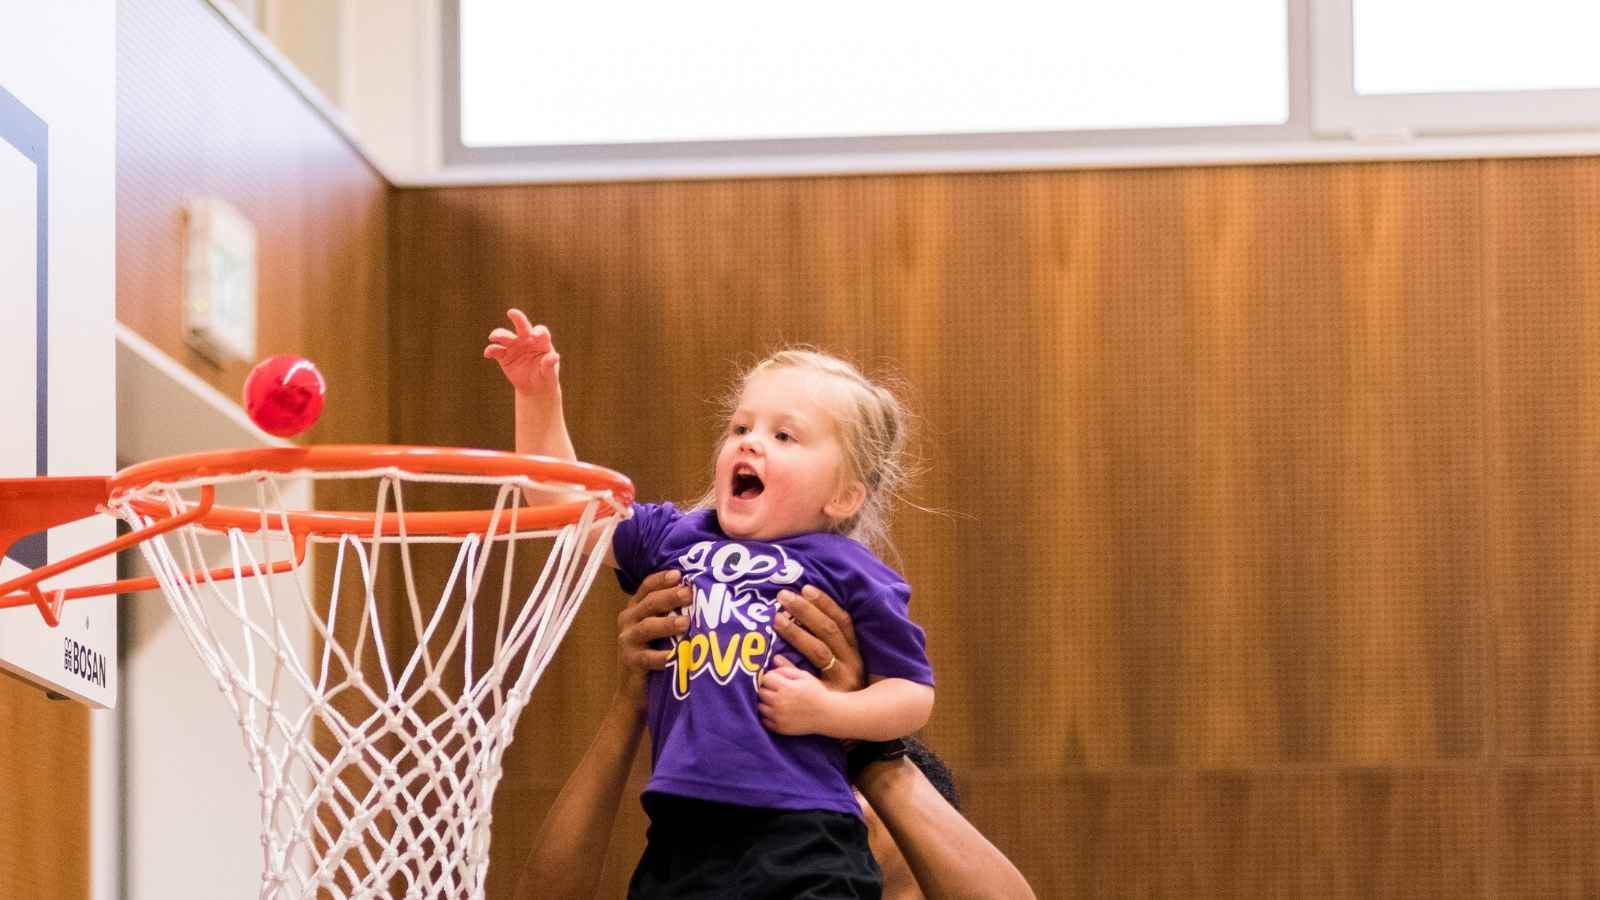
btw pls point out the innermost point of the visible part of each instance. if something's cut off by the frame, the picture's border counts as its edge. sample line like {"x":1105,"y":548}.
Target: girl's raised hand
{"x":527,"y":356}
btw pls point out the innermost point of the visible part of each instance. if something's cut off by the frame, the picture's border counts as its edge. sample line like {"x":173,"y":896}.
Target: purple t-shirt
{"x":706,"y":736}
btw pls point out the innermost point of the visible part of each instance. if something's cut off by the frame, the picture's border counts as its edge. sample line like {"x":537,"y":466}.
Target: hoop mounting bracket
{"x":42,"y":502}
{"x":32,"y":505}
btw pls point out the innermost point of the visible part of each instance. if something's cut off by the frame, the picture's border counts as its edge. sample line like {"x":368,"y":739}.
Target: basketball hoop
{"x":376,"y":766}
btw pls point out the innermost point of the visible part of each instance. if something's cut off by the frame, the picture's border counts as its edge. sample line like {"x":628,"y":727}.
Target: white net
{"x":377,"y":742}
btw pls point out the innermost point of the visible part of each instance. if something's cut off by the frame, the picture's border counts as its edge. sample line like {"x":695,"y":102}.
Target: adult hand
{"x":815,"y":625}
{"x":651,"y":615}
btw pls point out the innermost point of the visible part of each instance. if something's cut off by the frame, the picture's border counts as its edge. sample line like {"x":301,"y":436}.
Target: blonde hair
{"x":873,"y":434}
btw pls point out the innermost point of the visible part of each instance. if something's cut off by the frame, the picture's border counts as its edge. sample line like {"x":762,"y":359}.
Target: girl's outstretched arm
{"x":527,"y":356}
{"x":529,"y":361}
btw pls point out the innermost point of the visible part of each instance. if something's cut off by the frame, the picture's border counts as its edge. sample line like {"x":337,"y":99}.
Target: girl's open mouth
{"x":746,"y":483}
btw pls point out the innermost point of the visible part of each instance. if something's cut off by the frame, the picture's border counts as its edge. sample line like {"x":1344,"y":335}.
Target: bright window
{"x":1447,"y":46}
{"x":712,"y":88}
{"x":616,"y":72}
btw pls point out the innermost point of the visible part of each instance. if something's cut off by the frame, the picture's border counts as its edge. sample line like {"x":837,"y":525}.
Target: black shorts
{"x":714,"y":850}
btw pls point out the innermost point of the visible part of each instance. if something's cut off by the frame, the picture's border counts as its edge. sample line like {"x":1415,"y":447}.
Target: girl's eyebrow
{"x":792,"y":419}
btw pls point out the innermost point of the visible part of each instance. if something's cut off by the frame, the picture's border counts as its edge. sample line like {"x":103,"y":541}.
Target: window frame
{"x":1338,"y":111}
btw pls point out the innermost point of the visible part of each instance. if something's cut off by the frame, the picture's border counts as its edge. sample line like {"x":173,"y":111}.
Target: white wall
{"x":310,"y":33}
{"x":190,"y":823}
{"x":391,"y":82}
{"x":376,"y":62}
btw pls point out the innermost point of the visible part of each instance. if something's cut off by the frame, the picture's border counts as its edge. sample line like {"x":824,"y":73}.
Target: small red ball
{"x":284,"y":395}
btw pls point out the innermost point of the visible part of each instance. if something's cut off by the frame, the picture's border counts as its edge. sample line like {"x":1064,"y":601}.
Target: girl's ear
{"x":846,"y":501}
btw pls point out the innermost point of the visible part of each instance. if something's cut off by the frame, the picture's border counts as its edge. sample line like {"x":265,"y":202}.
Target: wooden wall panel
{"x":44,"y":790}
{"x":1541,"y":283}
{"x":1219,"y":455}
{"x":1550,"y":815}
{"x":1380,"y":832}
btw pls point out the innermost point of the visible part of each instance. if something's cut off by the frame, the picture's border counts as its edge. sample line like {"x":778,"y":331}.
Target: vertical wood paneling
{"x":1542,"y":281}
{"x":44,"y":789}
{"x":1385,"y":832}
{"x":1210,"y":445}
{"x":1549,"y":818}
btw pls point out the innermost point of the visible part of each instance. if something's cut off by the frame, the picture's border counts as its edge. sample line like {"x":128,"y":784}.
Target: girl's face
{"x":780,"y":470}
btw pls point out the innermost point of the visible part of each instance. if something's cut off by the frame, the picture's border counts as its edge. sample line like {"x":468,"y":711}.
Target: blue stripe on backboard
{"x":25,"y":131}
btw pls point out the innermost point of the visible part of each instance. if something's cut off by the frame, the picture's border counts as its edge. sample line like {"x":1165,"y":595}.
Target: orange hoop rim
{"x":444,"y":461}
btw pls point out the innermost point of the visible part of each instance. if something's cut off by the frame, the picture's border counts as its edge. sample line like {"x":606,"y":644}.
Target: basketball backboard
{"x":57,"y":284}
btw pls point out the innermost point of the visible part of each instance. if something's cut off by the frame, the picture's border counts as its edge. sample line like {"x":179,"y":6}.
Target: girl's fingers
{"x":520,"y":322}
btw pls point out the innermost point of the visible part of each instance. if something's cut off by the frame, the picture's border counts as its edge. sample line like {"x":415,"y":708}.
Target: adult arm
{"x":569,"y":851}
{"x":948,"y":856}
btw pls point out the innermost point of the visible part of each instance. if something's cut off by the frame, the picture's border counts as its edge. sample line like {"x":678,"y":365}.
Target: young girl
{"x":748,"y":795}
